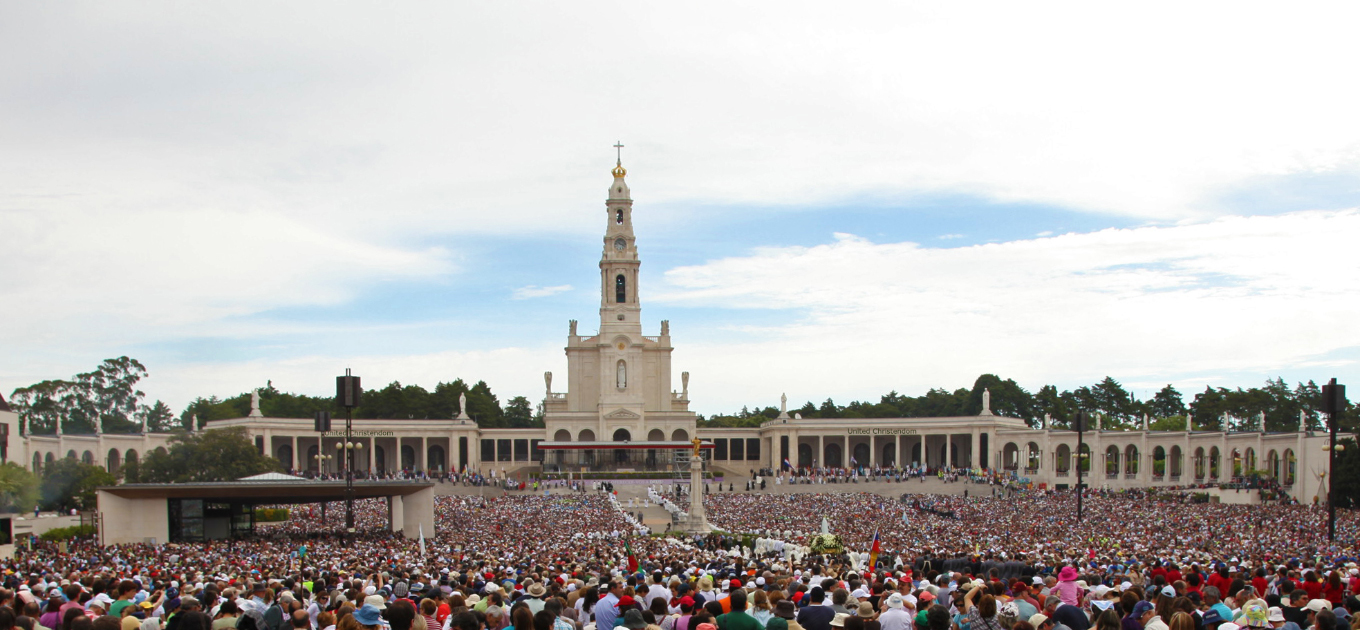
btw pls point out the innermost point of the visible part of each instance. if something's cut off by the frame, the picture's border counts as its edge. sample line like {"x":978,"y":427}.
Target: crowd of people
{"x":580,"y":560}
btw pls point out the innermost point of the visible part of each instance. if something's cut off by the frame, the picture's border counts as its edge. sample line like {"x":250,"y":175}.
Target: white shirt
{"x":896,"y":619}
{"x":655,"y":591}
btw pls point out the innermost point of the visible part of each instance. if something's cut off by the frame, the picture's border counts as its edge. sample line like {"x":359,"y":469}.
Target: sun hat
{"x":1068,"y":574}
{"x":866,"y":610}
{"x":1256,"y":614}
{"x":376,"y":601}
{"x":368,"y":615}
{"x":784,"y":609}
{"x":536,"y":590}
{"x":895,"y":601}
{"x":633,"y":620}
{"x":839,"y":620}
{"x":1037,"y":619}
{"x":1276,"y":614}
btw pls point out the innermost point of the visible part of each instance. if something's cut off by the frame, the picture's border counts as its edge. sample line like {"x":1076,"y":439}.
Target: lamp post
{"x":347,"y":394}
{"x":1080,"y":422}
{"x":1333,"y":402}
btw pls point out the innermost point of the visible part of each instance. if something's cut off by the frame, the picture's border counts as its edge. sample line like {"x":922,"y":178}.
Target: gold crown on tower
{"x":619,"y":171}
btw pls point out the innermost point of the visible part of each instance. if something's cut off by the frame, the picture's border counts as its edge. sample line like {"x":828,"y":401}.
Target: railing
{"x":1132,"y":475}
{"x":1113,"y":475}
{"x":1062,"y":473}
{"x":1175,"y":478}
{"x":1031,"y":471}
{"x":1156,"y":477}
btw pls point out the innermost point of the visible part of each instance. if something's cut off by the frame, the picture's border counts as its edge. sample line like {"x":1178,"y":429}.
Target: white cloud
{"x":1153,"y":305}
{"x":443,"y":121}
{"x":76,"y":278}
{"x":949,"y":237}
{"x":533,"y":291}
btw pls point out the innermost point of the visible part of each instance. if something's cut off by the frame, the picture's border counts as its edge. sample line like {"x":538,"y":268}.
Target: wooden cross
{"x":618,"y":146}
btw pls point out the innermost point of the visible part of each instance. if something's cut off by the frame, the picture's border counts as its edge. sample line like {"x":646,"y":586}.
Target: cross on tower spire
{"x":618,"y":146}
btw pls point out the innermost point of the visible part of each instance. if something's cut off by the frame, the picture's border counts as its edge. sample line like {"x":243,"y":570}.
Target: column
{"x":1144,"y":472}
{"x":873,"y":449}
{"x":298,"y":457}
{"x":897,"y":444}
{"x":974,"y":455}
{"x":845,"y":451}
{"x":424,"y":458}
{"x":948,"y":452}
{"x":818,"y":458}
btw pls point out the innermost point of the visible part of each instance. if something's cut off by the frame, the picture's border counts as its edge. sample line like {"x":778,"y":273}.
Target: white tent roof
{"x":273,"y":476}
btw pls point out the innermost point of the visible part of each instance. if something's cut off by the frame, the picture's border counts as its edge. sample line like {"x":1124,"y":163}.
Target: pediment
{"x":622,"y":413}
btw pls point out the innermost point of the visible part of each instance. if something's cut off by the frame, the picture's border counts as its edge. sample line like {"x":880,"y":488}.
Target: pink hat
{"x":1068,"y":574}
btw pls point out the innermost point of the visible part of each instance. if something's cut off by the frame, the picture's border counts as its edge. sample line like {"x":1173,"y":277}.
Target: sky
{"x":831,"y":201}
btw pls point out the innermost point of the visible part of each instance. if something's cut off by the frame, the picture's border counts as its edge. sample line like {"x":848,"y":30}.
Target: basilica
{"x":622,"y":410}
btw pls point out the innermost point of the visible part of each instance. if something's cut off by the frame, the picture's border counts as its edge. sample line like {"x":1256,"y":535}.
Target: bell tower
{"x":620,"y":309}
{"x":619,"y":380}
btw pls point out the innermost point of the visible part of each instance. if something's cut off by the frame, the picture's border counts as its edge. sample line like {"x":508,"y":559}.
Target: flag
{"x":422,"y":539}
{"x":786,"y":463}
{"x":632,"y":558}
{"x":873,"y":552}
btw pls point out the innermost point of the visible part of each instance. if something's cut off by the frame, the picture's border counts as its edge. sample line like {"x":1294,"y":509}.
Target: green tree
{"x":519,"y":414}
{"x":1167,"y":402}
{"x":19,"y":488}
{"x":70,"y":484}
{"x":158,"y":417}
{"x":1007,"y":398}
{"x":1209,"y":408}
{"x":1048,"y":402}
{"x":214,"y":455}
{"x":1169,"y":423}
{"x":108,"y":396}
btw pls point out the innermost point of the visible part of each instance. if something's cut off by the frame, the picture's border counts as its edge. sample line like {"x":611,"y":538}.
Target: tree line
{"x":109,"y":395}
{"x":1214,"y":409}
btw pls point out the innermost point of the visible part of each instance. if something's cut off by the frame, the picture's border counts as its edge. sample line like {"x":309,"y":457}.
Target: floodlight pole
{"x":1333,"y":402}
{"x":348,"y":393}
{"x":1080,"y":421}
{"x":349,"y":477}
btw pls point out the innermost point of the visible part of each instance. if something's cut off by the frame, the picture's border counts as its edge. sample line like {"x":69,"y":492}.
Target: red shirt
{"x":1314,"y":589}
{"x":1333,"y":595}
